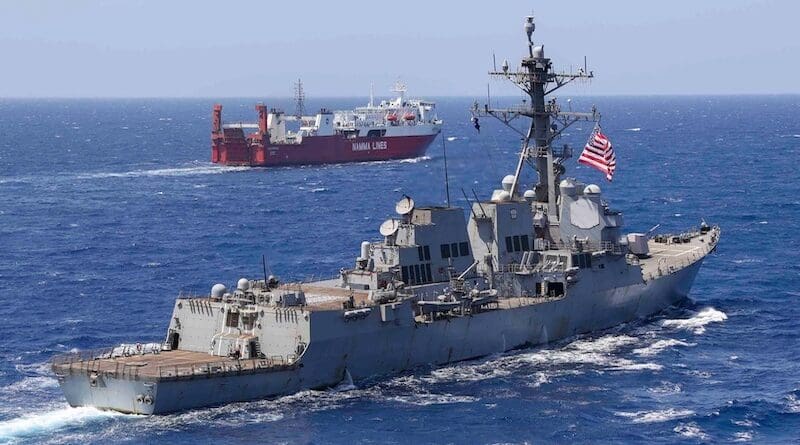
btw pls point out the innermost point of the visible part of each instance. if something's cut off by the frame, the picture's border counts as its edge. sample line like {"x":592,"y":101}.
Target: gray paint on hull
{"x":372,"y":347}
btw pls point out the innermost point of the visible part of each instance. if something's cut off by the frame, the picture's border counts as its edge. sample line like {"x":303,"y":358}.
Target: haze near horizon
{"x":93,"y":48}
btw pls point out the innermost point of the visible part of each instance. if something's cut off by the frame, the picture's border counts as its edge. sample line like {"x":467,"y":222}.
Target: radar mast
{"x":536,"y":78}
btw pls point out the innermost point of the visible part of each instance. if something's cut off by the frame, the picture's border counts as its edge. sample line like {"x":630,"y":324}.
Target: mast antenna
{"x":371,"y":94}
{"x":446,"y":177}
{"x":299,"y":99}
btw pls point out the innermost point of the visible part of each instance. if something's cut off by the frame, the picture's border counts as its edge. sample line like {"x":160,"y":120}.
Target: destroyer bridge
{"x":541,"y":258}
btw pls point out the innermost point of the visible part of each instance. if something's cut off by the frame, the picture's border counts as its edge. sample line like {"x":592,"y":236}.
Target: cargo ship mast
{"x":536,"y":78}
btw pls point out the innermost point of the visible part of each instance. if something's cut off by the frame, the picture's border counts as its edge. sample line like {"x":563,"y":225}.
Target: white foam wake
{"x":656,"y":416}
{"x":659,"y":346}
{"x":49,"y":421}
{"x":698,"y":321}
{"x":179,"y":171}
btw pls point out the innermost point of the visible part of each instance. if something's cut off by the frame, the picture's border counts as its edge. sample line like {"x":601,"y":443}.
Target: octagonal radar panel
{"x":389,"y":227}
{"x":404,"y":206}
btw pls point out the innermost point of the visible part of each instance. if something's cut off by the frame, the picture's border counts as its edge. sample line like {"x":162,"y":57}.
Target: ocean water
{"x":109,"y":208}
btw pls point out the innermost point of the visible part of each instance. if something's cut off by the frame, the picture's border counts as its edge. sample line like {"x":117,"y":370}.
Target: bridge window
{"x":582,"y":260}
{"x":517,"y":246}
{"x":427,"y":253}
{"x":428,"y":272}
{"x":464,"y":248}
{"x":525,"y":246}
{"x":404,"y":274}
{"x":454,"y":249}
{"x":232,"y":319}
{"x":421,"y":253}
{"x":509,"y":245}
{"x":445,"y":251}
{"x":420,"y":278}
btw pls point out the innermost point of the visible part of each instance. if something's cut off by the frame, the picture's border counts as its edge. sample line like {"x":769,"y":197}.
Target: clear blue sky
{"x":197,"y":48}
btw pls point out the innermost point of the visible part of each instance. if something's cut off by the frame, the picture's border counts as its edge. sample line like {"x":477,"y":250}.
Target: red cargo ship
{"x":394,"y":129}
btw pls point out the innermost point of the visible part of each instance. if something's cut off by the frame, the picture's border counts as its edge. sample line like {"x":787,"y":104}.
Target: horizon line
{"x":448,"y":96}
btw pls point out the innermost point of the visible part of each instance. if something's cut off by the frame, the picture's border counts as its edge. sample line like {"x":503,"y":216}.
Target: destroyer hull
{"x":321,"y":150}
{"x":373,"y":346}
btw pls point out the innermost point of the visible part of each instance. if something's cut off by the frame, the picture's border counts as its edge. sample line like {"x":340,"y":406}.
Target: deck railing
{"x":272,"y":363}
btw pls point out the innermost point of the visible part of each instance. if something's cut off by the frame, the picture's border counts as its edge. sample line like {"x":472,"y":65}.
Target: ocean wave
{"x":659,"y":346}
{"x":793,"y":402}
{"x":432,"y":399}
{"x":46,"y":422}
{"x":633,"y":129}
{"x":663,"y":415}
{"x":415,"y":160}
{"x":30,"y":384}
{"x":691,"y":430}
{"x":697,"y":322}
{"x":666,"y":388}
{"x":178,"y":171}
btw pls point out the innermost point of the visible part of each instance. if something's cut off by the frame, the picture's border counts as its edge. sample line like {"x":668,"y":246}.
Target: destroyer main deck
{"x":165,"y":365}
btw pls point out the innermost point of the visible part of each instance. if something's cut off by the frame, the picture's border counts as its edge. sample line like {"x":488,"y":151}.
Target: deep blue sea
{"x":110,"y":208}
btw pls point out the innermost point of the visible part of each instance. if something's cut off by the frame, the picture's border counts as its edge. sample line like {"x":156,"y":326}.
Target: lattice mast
{"x":299,"y":99}
{"x":534,"y":77}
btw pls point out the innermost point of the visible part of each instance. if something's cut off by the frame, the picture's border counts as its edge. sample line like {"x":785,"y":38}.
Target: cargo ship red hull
{"x":318,"y":150}
{"x":397,"y":130}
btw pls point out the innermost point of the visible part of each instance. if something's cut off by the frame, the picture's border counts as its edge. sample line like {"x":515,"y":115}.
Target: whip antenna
{"x":446,"y":178}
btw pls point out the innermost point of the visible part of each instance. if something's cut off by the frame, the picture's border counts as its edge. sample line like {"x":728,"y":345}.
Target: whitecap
{"x":792,"y":403}
{"x":31,"y":384}
{"x":666,"y":388}
{"x":659,"y":346}
{"x":451,"y":138}
{"x":663,"y":415}
{"x":50,"y":421}
{"x":319,"y":190}
{"x":697,"y":322}
{"x":426,"y":399}
{"x":633,"y":129}
{"x":691,"y":430}
{"x":743,"y":436}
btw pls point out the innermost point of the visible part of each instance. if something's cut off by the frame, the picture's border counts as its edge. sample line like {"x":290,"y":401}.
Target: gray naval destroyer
{"x":443,"y":284}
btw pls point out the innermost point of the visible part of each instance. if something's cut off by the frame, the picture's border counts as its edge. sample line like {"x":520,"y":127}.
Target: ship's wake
{"x":177,"y":171}
{"x":628,"y":349}
{"x":46,"y":422}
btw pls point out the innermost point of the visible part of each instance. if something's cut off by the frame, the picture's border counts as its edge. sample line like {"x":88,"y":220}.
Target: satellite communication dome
{"x":592,"y":189}
{"x":538,"y":52}
{"x":389,"y":227}
{"x":529,"y":195}
{"x":218,"y":290}
{"x":508,"y":181}
{"x":503,"y":196}
{"x":243,"y":284}
{"x":404,"y":206}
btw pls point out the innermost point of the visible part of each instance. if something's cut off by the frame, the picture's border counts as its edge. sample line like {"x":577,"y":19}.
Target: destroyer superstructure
{"x":392,"y":129}
{"x":525,"y":267}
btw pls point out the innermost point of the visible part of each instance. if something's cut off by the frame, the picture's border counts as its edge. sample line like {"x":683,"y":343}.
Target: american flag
{"x":598,"y":153}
